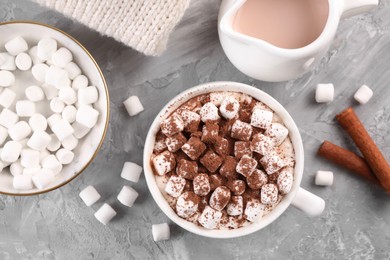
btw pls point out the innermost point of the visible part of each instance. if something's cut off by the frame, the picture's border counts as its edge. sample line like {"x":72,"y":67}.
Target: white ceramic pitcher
{"x":264,"y":61}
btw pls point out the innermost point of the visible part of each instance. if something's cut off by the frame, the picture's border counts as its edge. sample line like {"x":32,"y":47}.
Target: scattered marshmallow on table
{"x":8,"y":118}
{"x":38,"y":122}
{"x":7,"y":97}
{"x":43,"y":178}
{"x":7,"y":78}
{"x":16,"y":45}
{"x":8,"y":62}
{"x":363,"y":94}
{"x":89,"y":195}
{"x":127,"y":196}
{"x":133,"y":105}
{"x":131,"y":171}
{"x":87,"y":116}
{"x":39,"y":140}
{"x":324,"y":93}
{"x":25,"y":108}
{"x":46,"y":48}
{"x":39,"y":71}
{"x":23,"y":61}
{"x":64,"y":156}
{"x":62,"y":129}
{"x":34,"y":93}
{"x":22,"y":182}
{"x":105,"y":214}
{"x":11,"y":151}
{"x":324,"y":178}
{"x":160,"y":232}
{"x":19,"y":131}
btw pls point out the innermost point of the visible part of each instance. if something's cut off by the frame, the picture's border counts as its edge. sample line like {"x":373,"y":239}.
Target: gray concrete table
{"x":355,"y":224}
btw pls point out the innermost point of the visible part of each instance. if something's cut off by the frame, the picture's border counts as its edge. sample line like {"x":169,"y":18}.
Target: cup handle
{"x":355,"y":7}
{"x":308,"y":202}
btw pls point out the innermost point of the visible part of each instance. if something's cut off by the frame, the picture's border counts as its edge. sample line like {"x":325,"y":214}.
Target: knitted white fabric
{"x":144,"y":25}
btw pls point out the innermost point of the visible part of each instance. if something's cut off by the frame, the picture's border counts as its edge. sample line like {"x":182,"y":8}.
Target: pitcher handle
{"x":308,"y":202}
{"x":355,"y":7}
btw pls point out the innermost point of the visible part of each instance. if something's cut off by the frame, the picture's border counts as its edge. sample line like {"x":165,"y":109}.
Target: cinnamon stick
{"x":347,"y":159}
{"x":373,"y":156}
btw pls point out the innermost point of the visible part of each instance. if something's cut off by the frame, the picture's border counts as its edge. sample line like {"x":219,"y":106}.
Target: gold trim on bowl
{"x":108,"y":106}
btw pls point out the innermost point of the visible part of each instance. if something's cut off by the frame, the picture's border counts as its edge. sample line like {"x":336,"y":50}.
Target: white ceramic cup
{"x":311,"y":204}
{"x":89,"y":146}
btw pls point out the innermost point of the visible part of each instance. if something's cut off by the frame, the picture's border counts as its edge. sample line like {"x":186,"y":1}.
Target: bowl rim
{"x":219,"y":86}
{"x":108,"y":107}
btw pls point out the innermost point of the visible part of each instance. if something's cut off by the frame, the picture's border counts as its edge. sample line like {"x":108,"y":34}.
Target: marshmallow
{"x":175,"y":186}
{"x":45,"y":48}
{"x":7,"y":97}
{"x":235,"y":206}
{"x":62,"y":57}
{"x":89,"y":195}
{"x":187,"y":204}
{"x":39,"y":140}
{"x":229,"y":108}
{"x":324,"y":178}
{"x":62,"y":129}
{"x":45,"y":153}
{"x":363,"y":94}
{"x":25,"y":108}
{"x":261,"y":144}
{"x":33,"y":52}
{"x":209,"y":112}
{"x":285,"y":180}
{"x":261,"y":118}
{"x":217,"y":98}
{"x":22,"y":182}
{"x":246,"y":166}
{"x":324,"y":93}
{"x":241,"y":130}
{"x":105,"y":214}
{"x":23,"y":61}
{"x":51,"y":162}
{"x":3,"y":134}
{"x":11,"y":151}
{"x":34,"y":93}
{"x":254,"y":210}
{"x":210,"y":218}
{"x":37,"y":122}
{"x":31,"y":171}
{"x":16,"y":168}
{"x":54,"y":144}
{"x":272,"y":162}
{"x":172,"y":125}
{"x":201,"y":184}
{"x":57,"y":77}
{"x":80,"y":82}
{"x":79,"y":130}
{"x":127,"y":196}
{"x":39,"y":71}
{"x":191,"y":120}
{"x":43,"y":178}
{"x":67,"y":95}
{"x":131,"y":171}
{"x":133,"y":105}
{"x":69,"y":113}
{"x":29,"y":158}
{"x":64,"y":156}
{"x":70,"y":143}
{"x":53,"y":120}
{"x":19,"y":131}
{"x":50,"y":91}
{"x":269,"y":194}
{"x":161,"y":232}
{"x":8,"y":61}
{"x":7,"y":78}
{"x":57,"y":105}
{"x":87,"y":116}
{"x":164,"y":162}
{"x":73,"y":70}
{"x":220,"y":198}
{"x":8,"y":118}
{"x":89,"y":95}
{"x":16,"y":46}
{"x":277,"y":132}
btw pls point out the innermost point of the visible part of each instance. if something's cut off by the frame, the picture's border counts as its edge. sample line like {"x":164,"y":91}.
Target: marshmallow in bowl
{"x":160,"y":232}
{"x":209,"y":112}
{"x":89,"y":195}
{"x":11,"y":151}
{"x":127,"y":196}
{"x":22,"y":182}
{"x":34,"y":93}
{"x":175,"y":186}
{"x":187,"y":204}
{"x":46,"y":48}
{"x":61,"y":57}
{"x":29,"y":158}
{"x":39,"y":140}
{"x":253,"y":210}
{"x":89,"y":95}
{"x":261,"y":118}
{"x":64,"y":156}
{"x":33,"y":52}
{"x":62,"y":129}
{"x":16,"y":45}
{"x":23,"y":61}
{"x":43,"y":178}
{"x":210,"y":218}
{"x":69,"y":113}
{"x":25,"y":108}
{"x":70,"y":142}
{"x":229,"y":108}
{"x":3,"y":134}
{"x":39,"y":71}
{"x":277,"y":132}
{"x":7,"y":97}
{"x":8,"y":62}
{"x":57,"y":77}
{"x":73,"y":70}
{"x":19,"y":131}
{"x":7,"y":78}
{"x":38,"y":122}
{"x":67,"y":95}
{"x":51,"y":162}
{"x":87,"y":116}
{"x":80,"y":82}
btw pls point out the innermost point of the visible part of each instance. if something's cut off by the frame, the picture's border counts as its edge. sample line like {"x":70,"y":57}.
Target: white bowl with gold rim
{"x":311,"y":204}
{"x":89,"y":146}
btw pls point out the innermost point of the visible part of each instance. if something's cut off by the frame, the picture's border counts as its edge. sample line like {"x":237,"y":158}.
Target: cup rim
{"x":107,"y":105}
{"x":235,"y":87}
